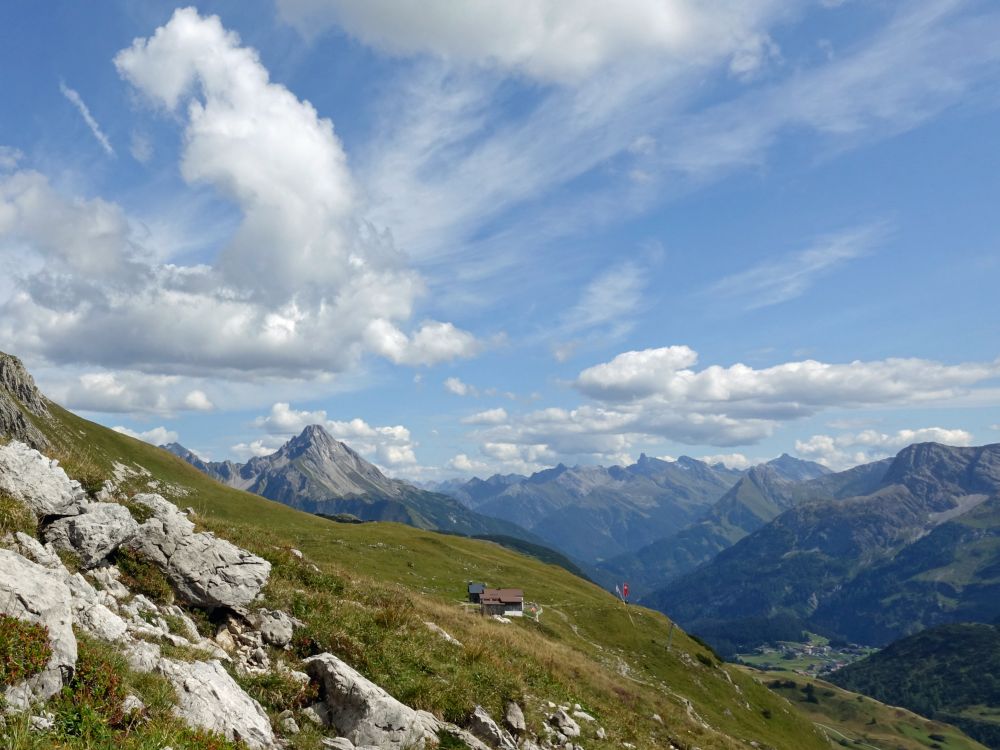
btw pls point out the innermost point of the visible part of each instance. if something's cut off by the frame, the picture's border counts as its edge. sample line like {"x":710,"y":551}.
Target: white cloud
{"x":125,"y":392}
{"x":262,"y":447}
{"x":198,"y":401}
{"x":74,"y":97}
{"x":773,"y":282}
{"x":849,"y":449}
{"x":547,"y":39}
{"x":490,"y":416}
{"x":459,"y":388}
{"x":155,"y":436}
{"x":643,"y":396}
{"x":304,"y":288}
{"x":729,"y":460}
{"x":391,"y":446}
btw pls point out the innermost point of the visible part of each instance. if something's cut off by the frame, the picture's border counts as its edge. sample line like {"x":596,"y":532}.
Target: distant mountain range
{"x":595,"y":512}
{"x":870,"y":554}
{"x":316,"y":473}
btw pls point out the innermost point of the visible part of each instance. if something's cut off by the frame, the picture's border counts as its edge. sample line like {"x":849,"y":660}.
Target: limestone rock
{"x":207,"y":697}
{"x":35,"y":594}
{"x":276,"y":628}
{"x":435,"y":628}
{"x":206,"y":571}
{"x":39,"y":482}
{"x":481,"y":724}
{"x":363,"y":712}
{"x":17,"y":394}
{"x":513,"y":717}
{"x":108,"y":578}
{"x":91,"y":612}
{"x":94,"y":534}
{"x":37,"y":552}
{"x":142,"y":656}
{"x":564,"y":723}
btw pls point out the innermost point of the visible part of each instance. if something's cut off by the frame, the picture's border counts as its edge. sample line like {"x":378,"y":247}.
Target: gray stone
{"x":92,"y":613}
{"x":93,"y":534}
{"x":108,"y":578}
{"x":142,"y":656}
{"x":338,"y":743}
{"x":39,"y":482}
{"x":363,"y":712}
{"x":35,"y":551}
{"x":445,"y":635}
{"x":276,"y":628}
{"x":564,"y":723}
{"x":132,"y":705}
{"x":42,"y":723}
{"x":513,"y":717}
{"x":35,"y":594}
{"x":208,"y":698}
{"x":481,"y":724}
{"x":206,"y":571}
{"x":316,"y":714}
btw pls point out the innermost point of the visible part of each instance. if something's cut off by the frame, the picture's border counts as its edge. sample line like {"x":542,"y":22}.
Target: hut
{"x":503,"y":602}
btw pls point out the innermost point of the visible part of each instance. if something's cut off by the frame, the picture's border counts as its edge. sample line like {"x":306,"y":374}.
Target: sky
{"x":496,"y":235}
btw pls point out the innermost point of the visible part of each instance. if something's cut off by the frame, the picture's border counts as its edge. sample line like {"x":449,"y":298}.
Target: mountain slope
{"x":951,"y":673}
{"x":760,"y":495}
{"x":318,"y":474}
{"x":594,"y":512}
{"x":365,"y":591}
{"x":817,"y":558}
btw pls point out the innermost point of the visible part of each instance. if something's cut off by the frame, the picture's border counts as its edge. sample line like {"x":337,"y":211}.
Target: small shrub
{"x":138,"y":511}
{"x":24,"y":649}
{"x":766,"y":713}
{"x":704,"y":659}
{"x":143,"y":576}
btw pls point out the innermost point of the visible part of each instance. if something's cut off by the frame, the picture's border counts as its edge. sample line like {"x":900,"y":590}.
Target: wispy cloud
{"x":88,"y":118}
{"x":774,"y":282}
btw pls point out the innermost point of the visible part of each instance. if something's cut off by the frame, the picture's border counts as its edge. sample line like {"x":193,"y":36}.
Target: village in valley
{"x":816,"y":657}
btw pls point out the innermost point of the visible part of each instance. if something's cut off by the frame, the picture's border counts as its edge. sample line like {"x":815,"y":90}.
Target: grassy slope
{"x":379,"y":583}
{"x":863,"y":721}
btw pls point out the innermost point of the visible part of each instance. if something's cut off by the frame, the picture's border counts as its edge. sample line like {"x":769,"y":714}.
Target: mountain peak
{"x":796,"y":469}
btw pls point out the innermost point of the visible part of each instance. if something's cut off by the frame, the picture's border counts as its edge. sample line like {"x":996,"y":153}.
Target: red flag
{"x":625,"y":590}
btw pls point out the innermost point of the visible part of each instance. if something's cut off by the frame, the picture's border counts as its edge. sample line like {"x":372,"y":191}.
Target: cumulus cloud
{"x":490,"y":416}
{"x":305,"y":287}
{"x":658,"y":394}
{"x":391,"y":446}
{"x":74,"y":97}
{"x":127,"y":393}
{"x":850,"y":449}
{"x":547,"y":39}
{"x":156,"y":436}
{"x":459,"y":388}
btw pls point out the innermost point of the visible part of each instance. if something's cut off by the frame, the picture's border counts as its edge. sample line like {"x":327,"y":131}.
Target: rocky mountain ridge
{"x":19,"y":394}
{"x":316,"y":473}
{"x":920,"y":547}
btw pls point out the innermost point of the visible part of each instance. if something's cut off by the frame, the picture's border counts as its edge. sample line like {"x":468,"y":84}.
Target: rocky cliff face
{"x":19,"y":394}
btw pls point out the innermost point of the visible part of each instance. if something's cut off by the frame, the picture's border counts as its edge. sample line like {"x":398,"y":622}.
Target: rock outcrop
{"x":209,"y":698}
{"x":363,"y":712}
{"x":37,"y":595}
{"x":39,"y":482}
{"x":205,"y":570}
{"x":18,"y":394}
{"x":93,"y":534}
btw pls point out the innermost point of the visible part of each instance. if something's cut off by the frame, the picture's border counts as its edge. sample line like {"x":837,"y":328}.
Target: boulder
{"x":363,"y":712}
{"x":564,"y":723}
{"x":34,"y":550}
{"x":208,"y":698}
{"x":94,"y":534}
{"x":276,"y":628}
{"x":206,"y":571}
{"x":513,"y":717}
{"x":39,"y":482}
{"x":32,"y":593}
{"x":481,"y":724}
{"x":142,"y":656}
{"x":91,"y":610}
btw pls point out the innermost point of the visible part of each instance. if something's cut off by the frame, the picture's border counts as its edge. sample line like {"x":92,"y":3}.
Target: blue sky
{"x":493,"y":236}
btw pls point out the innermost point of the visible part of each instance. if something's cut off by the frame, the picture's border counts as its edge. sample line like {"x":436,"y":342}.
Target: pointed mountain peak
{"x":789,"y":467}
